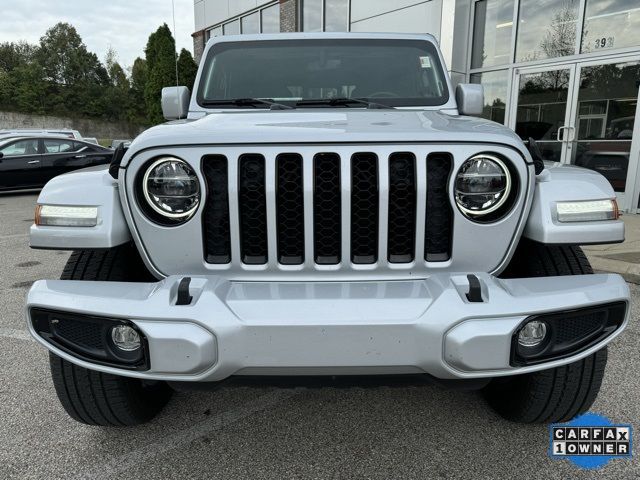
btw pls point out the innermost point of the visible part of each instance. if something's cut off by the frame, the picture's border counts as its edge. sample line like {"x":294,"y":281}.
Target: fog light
{"x":125,"y":338}
{"x":532,"y":334}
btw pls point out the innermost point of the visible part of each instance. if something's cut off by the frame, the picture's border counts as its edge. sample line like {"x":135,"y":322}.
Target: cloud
{"x":124,"y":25}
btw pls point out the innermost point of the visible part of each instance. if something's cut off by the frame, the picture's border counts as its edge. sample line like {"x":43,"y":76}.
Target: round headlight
{"x":483,"y":185}
{"x":171,"y":188}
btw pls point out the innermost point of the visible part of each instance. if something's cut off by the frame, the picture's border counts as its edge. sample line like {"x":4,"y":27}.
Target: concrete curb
{"x":629,"y":271}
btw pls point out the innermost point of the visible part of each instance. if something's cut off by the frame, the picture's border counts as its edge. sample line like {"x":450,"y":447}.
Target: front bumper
{"x":328,"y":328}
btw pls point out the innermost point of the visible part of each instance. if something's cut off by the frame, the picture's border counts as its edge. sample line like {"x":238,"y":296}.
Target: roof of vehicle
{"x":4,"y":139}
{"x":321,"y":36}
{"x":37,"y":130}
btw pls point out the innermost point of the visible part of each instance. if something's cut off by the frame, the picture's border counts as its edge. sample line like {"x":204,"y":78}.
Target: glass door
{"x":603,"y":120}
{"x":541,"y":109}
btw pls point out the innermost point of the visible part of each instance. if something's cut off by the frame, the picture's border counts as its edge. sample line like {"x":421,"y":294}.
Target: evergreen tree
{"x":160,"y":54}
{"x":187,"y":69}
{"x":137,"y":106}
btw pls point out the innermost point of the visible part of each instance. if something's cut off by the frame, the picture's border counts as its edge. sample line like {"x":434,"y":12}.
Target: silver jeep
{"x":326,"y":205}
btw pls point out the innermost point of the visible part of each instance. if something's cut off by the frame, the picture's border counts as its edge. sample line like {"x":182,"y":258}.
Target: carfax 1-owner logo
{"x":590,"y":441}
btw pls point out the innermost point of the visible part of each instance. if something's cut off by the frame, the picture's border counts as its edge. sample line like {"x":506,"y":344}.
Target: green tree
{"x":13,"y":55}
{"x":28,"y":88}
{"x":187,"y":69}
{"x":160,"y":55}
{"x":137,"y":111}
{"x":117,"y":75}
{"x":75,"y":76}
{"x":22,"y":86}
{"x":116,"y":95}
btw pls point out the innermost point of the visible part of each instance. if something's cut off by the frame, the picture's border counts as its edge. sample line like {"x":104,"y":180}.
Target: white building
{"x":564,"y":72}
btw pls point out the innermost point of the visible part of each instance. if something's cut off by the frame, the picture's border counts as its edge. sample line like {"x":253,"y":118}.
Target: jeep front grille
{"x":307,"y":212}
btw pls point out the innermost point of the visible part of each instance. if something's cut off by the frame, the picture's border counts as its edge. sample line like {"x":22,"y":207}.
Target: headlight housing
{"x":170,"y":190}
{"x":484,"y":187}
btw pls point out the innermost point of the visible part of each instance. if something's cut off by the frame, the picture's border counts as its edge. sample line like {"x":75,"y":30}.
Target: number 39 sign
{"x":604,"y":42}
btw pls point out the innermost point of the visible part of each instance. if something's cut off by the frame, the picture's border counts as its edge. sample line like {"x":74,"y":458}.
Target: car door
{"x":96,"y":154}
{"x":21,"y":164}
{"x":63,"y":156}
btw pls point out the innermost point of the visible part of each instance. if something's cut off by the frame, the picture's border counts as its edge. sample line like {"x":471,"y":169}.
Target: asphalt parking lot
{"x":268,"y":432}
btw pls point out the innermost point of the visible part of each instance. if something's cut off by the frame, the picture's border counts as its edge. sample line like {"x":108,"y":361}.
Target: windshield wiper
{"x":247,"y":102}
{"x":342,"y":101}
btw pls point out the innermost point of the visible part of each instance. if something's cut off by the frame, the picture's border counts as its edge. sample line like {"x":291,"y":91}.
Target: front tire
{"x":97,"y":398}
{"x":557,"y":394}
{"x":106,"y":400}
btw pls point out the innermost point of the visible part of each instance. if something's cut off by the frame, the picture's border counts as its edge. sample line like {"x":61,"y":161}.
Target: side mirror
{"x":1,"y":154}
{"x":175,"y":102}
{"x":470,"y":99}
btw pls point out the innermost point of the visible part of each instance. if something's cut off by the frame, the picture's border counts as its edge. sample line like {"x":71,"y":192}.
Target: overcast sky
{"x":124,"y":25}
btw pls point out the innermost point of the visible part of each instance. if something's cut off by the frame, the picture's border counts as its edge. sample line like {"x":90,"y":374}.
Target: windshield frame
{"x":223,"y":44}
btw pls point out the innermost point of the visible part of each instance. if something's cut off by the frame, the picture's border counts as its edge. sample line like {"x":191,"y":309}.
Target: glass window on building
{"x":607,"y":102}
{"x":492,"y":27}
{"x":216,"y":32}
{"x":271,"y":19}
{"x":495,"y":93}
{"x":232,"y":28}
{"x":312,"y":15}
{"x":325,"y":15}
{"x":542,"y":106}
{"x":251,"y":23}
{"x":546,"y":29}
{"x":611,"y":24}
{"x":336,"y":16}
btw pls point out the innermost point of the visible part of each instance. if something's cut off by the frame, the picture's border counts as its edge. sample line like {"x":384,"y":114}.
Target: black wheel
{"x":118,"y":264}
{"x":534,"y":259}
{"x":557,"y":394}
{"x":97,"y":398}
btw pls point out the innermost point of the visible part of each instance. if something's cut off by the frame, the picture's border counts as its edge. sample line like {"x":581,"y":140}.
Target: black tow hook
{"x":184,"y":297}
{"x":475,"y":290}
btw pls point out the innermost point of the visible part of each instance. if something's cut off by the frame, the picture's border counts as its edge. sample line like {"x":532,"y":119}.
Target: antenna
{"x":175,"y":52}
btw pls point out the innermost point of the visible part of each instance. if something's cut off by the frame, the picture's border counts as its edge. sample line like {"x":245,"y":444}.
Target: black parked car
{"x":30,"y":162}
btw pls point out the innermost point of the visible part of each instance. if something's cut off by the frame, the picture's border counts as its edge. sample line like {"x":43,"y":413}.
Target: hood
{"x":326,"y":126}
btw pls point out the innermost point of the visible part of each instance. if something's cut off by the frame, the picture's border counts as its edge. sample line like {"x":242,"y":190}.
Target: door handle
{"x":80,"y":156}
{"x":33,"y":161}
{"x":560,"y":130}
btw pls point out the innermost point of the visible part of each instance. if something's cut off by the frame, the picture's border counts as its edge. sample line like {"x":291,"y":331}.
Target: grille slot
{"x":364,"y":208}
{"x":327,"y":209}
{"x":439,"y":213}
{"x":290,"y":209}
{"x":252,"y":209}
{"x":402,"y":208}
{"x":215,"y":217}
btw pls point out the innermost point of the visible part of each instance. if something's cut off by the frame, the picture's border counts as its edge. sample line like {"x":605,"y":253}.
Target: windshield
{"x":389,"y":72}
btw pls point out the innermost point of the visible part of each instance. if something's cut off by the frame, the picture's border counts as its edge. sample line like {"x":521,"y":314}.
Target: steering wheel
{"x":383,"y":95}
